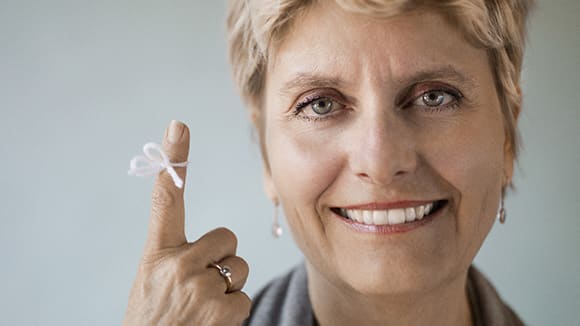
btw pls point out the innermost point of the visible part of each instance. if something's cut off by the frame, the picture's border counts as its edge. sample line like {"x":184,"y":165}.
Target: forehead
{"x":352,"y":46}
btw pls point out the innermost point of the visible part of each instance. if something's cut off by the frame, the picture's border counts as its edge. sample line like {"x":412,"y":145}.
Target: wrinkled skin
{"x":373,"y":134}
{"x":174,"y":285}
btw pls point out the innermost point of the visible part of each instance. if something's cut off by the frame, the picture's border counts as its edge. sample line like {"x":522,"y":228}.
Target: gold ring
{"x":226,"y":273}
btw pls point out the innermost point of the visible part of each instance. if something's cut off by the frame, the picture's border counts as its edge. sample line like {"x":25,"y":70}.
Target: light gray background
{"x":84,"y":84}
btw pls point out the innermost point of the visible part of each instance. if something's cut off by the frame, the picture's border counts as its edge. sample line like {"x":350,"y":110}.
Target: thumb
{"x":167,"y":222}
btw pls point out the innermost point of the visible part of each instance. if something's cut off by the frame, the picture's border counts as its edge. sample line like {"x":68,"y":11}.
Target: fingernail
{"x":175,"y":131}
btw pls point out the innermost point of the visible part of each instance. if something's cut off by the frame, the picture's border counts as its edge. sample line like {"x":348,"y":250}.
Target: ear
{"x":269,"y":187}
{"x":508,"y":165}
{"x":254,"y":117}
{"x":509,"y":151}
{"x":268,"y":182}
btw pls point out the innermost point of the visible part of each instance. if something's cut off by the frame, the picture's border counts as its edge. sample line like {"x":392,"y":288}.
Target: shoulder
{"x":488,"y":308}
{"x":283,"y":301}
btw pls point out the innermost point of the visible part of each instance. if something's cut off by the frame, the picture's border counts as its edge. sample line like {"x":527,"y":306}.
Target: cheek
{"x":470,"y":158}
{"x":303,"y":165}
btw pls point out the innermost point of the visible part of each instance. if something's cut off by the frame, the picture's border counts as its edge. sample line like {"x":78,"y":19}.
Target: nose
{"x":386,"y":149}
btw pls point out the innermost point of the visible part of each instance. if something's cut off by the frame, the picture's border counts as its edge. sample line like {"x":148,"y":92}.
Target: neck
{"x":447,"y":305}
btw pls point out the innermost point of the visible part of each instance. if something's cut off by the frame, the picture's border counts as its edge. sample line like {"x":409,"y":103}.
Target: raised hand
{"x":176,"y":283}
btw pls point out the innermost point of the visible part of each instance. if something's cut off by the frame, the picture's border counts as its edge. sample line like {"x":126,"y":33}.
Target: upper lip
{"x":389,"y":205}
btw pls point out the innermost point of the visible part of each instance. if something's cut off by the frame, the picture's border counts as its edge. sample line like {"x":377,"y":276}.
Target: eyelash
{"x":453,"y":105}
{"x":309,"y":100}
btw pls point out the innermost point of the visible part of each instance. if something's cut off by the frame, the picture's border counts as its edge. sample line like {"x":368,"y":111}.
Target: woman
{"x":388,"y":135}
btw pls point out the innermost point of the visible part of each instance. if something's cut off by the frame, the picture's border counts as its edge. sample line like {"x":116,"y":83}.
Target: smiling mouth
{"x":394,"y":216}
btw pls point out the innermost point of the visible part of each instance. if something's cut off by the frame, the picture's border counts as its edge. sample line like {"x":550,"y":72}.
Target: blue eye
{"x":435,"y":99}
{"x":318,"y":108}
{"x":322,"y":106}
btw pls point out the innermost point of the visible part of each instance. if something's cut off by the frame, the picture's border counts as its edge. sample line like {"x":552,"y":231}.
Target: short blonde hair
{"x":255,"y":26}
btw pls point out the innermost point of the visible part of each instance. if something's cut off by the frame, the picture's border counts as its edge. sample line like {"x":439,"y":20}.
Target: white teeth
{"x":428,"y":208}
{"x":396,"y":216}
{"x":368,"y":217}
{"x":410,"y":214}
{"x":420,"y":212}
{"x":380,"y":217}
{"x":355,"y":215}
{"x":391,"y":216}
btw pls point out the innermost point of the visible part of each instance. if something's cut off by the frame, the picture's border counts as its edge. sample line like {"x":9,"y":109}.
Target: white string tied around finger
{"x":154,"y":161}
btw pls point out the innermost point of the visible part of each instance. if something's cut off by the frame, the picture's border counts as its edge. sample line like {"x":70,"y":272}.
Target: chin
{"x":403,"y":278}
{"x":392,"y":264}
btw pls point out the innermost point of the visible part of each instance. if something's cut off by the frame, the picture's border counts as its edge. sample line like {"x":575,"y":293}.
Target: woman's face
{"x":374,"y":120}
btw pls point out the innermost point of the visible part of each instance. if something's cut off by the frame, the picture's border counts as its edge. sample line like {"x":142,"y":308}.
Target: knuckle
{"x":244,"y":265}
{"x":208,"y":306}
{"x":243,"y":305}
{"x":228,"y":236}
{"x":216,"y":309}
{"x":246,"y":304}
{"x":196,"y":253}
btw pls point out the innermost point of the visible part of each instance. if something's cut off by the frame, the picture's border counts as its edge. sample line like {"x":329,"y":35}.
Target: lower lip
{"x":391,"y":229}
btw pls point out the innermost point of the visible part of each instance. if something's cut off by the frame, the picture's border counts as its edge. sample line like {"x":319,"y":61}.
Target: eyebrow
{"x":304,"y":81}
{"x":448,"y":72}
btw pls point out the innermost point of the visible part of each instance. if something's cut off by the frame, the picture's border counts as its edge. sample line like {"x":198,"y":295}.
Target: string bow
{"x":154,"y":161}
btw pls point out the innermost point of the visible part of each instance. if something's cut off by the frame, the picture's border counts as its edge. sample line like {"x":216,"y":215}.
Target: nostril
{"x":367,"y":178}
{"x":363,"y":176}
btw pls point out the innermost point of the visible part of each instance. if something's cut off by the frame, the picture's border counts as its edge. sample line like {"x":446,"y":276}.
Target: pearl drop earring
{"x":276,"y":228}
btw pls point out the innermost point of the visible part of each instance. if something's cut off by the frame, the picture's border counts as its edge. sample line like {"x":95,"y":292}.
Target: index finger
{"x":167,"y":221}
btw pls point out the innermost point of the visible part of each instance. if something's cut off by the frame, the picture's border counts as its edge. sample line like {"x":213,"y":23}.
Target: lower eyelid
{"x":455,"y":97}
{"x":453,"y":105}
{"x":304,"y":104}
{"x":332,"y":115}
